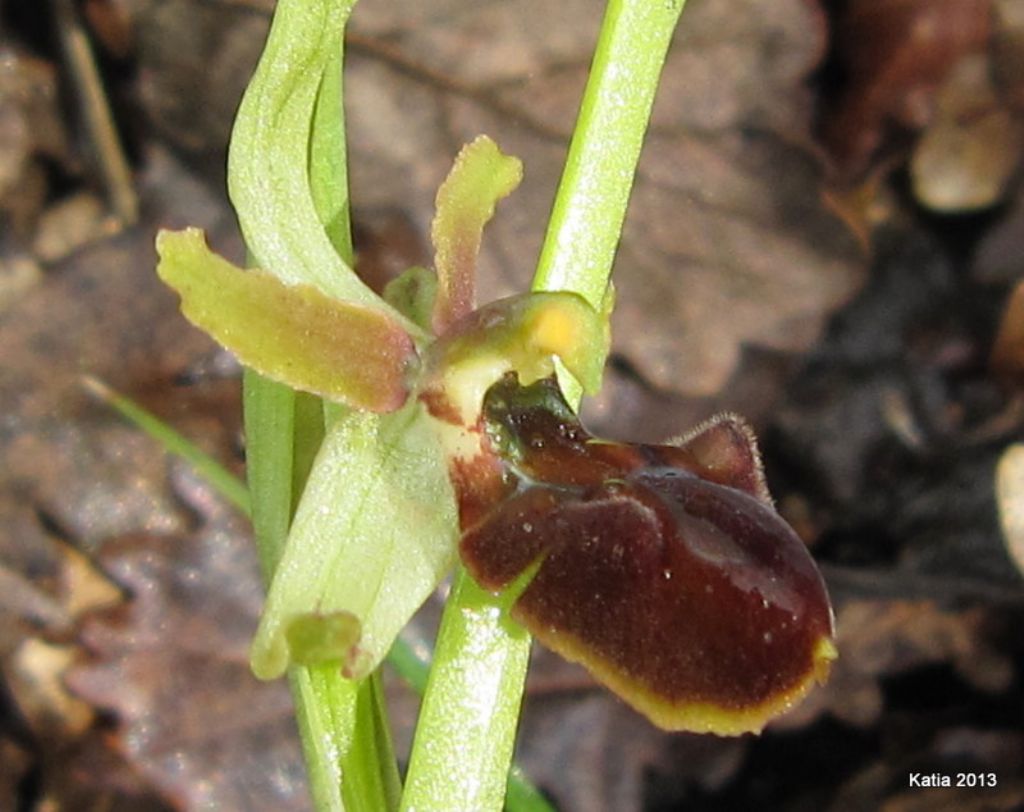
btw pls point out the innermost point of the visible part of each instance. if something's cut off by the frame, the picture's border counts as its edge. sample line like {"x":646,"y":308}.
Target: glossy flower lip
{"x":689,"y":597}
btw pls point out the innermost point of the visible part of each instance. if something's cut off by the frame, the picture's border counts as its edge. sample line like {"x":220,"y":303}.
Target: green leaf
{"x":292,"y":333}
{"x":268,"y":161}
{"x":374,"y":534}
{"x":328,"y":170}
{"x":480,"y":177}
{"x":286,"y":173}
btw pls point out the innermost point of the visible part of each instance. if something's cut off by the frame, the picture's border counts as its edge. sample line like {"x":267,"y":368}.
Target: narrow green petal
{"x":294,"y":334}
{"x":480,"y":177}
{"x":374,"y":534}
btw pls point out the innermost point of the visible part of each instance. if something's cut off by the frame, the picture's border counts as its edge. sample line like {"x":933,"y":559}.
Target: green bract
{"x":373,"y":535}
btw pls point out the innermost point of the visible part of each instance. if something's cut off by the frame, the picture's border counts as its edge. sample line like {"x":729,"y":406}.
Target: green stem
{"x":466,"y":733}
{"x":464,"y":740}
{"x":590,"y":206}
{"x":269,"y":417}
{"x":411,"y":660}
{"x":270,"y":452}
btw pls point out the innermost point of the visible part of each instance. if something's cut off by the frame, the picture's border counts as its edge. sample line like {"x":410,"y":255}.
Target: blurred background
{"x":826,"y":235}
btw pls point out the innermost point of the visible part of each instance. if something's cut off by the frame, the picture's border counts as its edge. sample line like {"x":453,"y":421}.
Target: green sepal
{"x":294,"y":334}
{"x":374,"y":534}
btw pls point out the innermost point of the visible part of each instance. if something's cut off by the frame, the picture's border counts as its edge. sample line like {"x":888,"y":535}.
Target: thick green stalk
{"x":269,"y":416}
{"x":270,"y":432}
{"x":466,"y":733}
{"x":341,"y":723}
{"x":411,"y":661}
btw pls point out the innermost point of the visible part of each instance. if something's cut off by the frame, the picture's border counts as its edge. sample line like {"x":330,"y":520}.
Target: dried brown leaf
{"x":71,"y":471}
{"x":589,"y":751}
{"x":878,"y":639}
{"x":728,"y":240}
{"x":895,"y":55}
{"x":172,"y":666}
{"x":969,"y":152}
{"x":102,"y":313}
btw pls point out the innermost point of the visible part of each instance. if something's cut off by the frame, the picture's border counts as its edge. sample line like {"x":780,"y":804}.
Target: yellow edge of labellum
{"x":694,"y":717}
{"x":479,"y":178}
{"x":294,"y":334}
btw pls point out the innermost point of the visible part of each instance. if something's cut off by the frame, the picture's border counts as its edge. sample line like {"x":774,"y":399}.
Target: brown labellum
{"x":664,"y":570}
